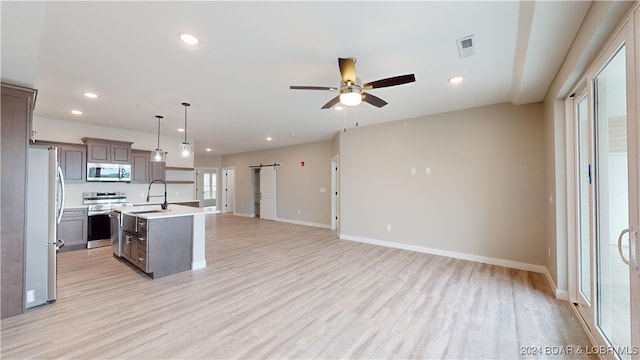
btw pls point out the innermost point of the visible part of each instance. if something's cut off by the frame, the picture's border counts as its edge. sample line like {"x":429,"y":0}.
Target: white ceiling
{"x":237,"y":78}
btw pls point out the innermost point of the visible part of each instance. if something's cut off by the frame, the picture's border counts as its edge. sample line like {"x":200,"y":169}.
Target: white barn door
{"x":268,"y":193}
{"x":228,"y":191}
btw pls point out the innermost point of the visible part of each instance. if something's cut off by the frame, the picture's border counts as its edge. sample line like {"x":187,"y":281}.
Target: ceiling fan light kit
{"x":351,"y":91}
{"x":351,"y":97}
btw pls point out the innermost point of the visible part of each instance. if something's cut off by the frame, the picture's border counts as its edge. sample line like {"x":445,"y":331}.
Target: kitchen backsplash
{"x":136,"y":193}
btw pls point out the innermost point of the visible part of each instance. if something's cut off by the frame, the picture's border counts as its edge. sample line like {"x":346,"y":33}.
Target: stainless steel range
{"x":99,"y":206}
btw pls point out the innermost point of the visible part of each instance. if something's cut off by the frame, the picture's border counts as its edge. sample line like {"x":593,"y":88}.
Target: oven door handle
{"x":99,"y":213}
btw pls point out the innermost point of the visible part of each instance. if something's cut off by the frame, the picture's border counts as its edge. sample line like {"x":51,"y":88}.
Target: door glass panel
{"x":584,"y":254}
{"x":612,"y":202}
{"x":207,"y":186}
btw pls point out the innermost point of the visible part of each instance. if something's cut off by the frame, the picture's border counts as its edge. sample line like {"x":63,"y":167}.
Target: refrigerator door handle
{"x":61,"y":210}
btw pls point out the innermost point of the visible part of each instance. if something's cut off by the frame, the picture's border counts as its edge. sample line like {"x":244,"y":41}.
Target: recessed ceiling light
{"x":208,"y":149}
{"x":188,"y":39}
{"x":181,"y":130}
{"x":269,"y":139}
{"x":292,"y":134}
{"x":456,"y":79}
{"x":76,"y":112}
{"x":91,"y":95}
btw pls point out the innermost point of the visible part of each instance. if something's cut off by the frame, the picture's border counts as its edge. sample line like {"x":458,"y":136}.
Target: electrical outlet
{"x":299,"y":211}
{"x":427,"y":171}
{"x":31,"y":296}
{"x":388,"y":227}
{"x":413,"y":171}
{"x":142,"y":195}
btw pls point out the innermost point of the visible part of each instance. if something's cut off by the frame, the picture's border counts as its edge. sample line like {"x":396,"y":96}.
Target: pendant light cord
{"x":159,"y":118}
{"x":185,"y":120}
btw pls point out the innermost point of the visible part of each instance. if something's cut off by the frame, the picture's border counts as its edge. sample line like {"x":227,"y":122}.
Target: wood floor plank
{"x":277,"y":290}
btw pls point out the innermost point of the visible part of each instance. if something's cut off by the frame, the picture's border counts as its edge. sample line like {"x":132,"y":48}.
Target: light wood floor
{"x":275,"y":290}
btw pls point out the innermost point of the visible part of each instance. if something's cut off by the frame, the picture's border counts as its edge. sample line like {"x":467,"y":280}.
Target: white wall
{"x":298,"y":187}
{"x":485,"y":193}
{"x":73,"y":132}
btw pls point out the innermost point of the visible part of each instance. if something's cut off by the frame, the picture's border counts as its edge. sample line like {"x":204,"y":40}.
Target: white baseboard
{"x":559,"y":293}
{"x":306,"y":223}
{"x":452,"y":254}
{"x":244,"y":214}
{"x":198,"y":265}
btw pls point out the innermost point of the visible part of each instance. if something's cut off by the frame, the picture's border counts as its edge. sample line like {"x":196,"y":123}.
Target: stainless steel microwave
{"x":108,"y":172}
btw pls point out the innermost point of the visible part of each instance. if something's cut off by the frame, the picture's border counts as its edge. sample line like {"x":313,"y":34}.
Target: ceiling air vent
{"x":466,"y":46}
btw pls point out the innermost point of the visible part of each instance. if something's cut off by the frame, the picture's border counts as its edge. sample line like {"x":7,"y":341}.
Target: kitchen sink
{"x":146,"y":211}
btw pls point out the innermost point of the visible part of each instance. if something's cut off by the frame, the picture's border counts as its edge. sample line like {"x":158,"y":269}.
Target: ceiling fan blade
{"x":392,"y":81}
{"x":347,"y":69}
{"x":313,"y":88}
{"x":373,"y":100}
{"x":332,"y":102}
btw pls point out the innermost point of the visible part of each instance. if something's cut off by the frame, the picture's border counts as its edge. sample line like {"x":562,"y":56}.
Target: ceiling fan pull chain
{"x":344,"y":120}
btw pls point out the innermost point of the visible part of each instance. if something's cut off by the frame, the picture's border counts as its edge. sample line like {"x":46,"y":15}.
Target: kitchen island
{"x":161,"y":242}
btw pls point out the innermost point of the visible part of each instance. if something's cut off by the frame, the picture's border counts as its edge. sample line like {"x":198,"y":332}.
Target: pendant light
{"x":185,"y":150}
{"x":158,"y":155}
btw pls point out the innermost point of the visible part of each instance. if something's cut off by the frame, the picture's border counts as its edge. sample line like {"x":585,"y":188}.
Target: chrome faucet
{"x":164,"y":204}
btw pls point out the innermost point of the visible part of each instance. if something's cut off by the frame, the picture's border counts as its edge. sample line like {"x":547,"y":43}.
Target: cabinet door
{"x":73,"y":232}
{"x":140,"y":166}
{"x":134,"y":250}
{"x":73,"y":161}
{"x":126,"y":246}
{"x":73,"y":229}
{"x":121,"y":154}
{"x":98,"y":152}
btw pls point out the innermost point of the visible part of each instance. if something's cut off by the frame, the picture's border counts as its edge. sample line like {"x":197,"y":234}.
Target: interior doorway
{"x":206,"y":187}
{"x":265,"y":191}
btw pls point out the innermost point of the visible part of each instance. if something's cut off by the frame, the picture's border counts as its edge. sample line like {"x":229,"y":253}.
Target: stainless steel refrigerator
{"x":45,"y":204}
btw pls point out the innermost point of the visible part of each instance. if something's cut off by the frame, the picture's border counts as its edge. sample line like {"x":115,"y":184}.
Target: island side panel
{"x":198,"y":258}
{"x":170,"y":246}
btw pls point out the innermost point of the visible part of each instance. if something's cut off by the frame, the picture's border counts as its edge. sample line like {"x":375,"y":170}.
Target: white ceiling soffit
{"x":541,"y":47}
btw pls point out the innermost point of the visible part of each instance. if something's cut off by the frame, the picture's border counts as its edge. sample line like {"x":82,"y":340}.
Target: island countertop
{"x":155,"y":211}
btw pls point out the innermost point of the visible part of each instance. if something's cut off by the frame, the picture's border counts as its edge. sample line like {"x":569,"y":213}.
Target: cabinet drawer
{"x":142,"y":227}
{"x":142,"y":259}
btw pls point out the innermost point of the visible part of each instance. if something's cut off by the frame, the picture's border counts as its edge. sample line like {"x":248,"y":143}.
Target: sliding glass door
{"x":584,"y":205}
{"x":612,"y":201}
{"x":607,"y":203}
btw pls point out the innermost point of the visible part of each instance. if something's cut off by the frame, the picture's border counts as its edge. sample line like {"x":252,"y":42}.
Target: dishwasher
{"x":115,"y":219}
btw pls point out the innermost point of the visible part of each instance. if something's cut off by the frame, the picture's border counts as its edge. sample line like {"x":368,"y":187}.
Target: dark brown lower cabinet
{"x":73,"y":229}
{"x":160,"y":246}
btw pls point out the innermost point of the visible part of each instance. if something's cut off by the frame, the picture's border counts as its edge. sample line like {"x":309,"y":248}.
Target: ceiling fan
{"x":352,"y":91}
